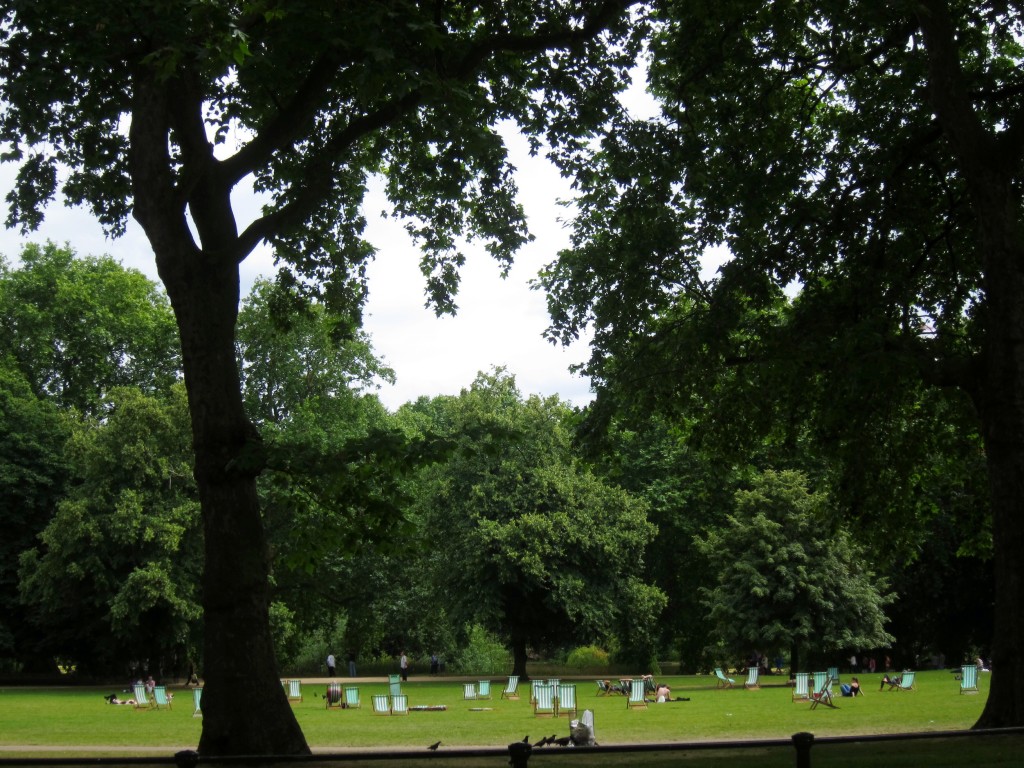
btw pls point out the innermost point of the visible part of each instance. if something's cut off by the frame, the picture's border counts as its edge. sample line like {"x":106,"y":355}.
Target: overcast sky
{"x":499,"y":322}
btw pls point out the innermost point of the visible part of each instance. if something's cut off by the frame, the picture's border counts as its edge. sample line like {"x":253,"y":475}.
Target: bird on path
{"x":542,"y":742}
{"x":433,"y":747}
{"x":526,"y":739}
{"x":564,"y":741}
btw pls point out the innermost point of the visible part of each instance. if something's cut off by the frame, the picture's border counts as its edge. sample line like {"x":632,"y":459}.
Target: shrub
{"x":483,"y":655}
{"x":588,"y":657}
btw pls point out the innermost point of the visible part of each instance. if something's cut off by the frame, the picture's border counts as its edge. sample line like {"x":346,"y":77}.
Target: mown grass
{"x":42,"y":721}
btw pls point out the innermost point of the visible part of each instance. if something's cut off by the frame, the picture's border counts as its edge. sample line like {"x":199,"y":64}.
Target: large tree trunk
{"x":1002,"y":398}
{"x":519,"y":656}
{"x":245,"y":710}
{"x":990,"y":161}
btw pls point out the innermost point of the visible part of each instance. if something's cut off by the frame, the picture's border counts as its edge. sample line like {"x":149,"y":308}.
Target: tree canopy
{"x":868,"y":157}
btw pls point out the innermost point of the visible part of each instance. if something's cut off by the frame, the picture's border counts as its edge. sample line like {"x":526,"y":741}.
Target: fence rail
{"x":517,"y":755}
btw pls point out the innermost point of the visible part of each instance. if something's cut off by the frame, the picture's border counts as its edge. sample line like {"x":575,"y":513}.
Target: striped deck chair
{"x":751,"y":683}
{"x":833,"y":672}
{"x":293,"y":688}
{"x":818,"y":681}
{"x":400,"y":704}
{"x":394,"y":684}
{"x":483,"y":689}
{"x":969,"y":679}
{"x":381,"y":705}
{"x":722,"y":680}
{"x":566,"y":700}
{"x":511,"y":691}
{"x":534,"y":685}
{"x":333,"y":695}
{"x":801,"y":686}
{"x":905,"y":682}
{"x":197,"y":702}
{"x":544,"y":703}
{"x":637,"y":697}
{"x":142,"y":698}
{"x":161,"y":698}
{"x":604,"y":688}
{"x":352,"y":697}
{"x":469,"y":690}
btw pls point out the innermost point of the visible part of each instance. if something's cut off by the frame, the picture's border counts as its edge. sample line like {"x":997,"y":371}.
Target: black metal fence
{"x":522,"y":755}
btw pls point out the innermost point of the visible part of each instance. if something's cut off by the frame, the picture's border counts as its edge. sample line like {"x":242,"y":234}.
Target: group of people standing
{"x":351,"y":664}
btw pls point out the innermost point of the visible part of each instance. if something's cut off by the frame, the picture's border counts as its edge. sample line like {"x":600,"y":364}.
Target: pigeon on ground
{"x":564,"y":741}
{"x":434,"y":746}
{"x":526,"y":739}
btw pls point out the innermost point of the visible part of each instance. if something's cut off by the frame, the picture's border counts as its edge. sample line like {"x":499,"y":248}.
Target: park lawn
{"x":79,"y":717}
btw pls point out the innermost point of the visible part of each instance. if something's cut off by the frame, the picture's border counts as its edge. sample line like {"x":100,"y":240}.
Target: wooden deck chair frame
{"x":801,"y":686}
{"x":400,"y":704}
{"x":197,"y":702}
{"x":566,"y":700}
{"x":469,"y":690}
{"x":604,"y":687}
{"x":511,"y":691}
{"x":722,"y":680}
{"x":753,"y":674}
{"x":352,"y":697}
{"x":161,"y":698}
{"x":823,"y":695}
{"x":969,"y":678}
{"x":637,"y":695}
{"x":534,"y":685}
{"x":544,"y":704}
{"x":381,"y":704}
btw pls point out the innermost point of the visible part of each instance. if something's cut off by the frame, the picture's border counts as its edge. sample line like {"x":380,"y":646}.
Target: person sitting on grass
{"x":892,"y":681}
{"x":855,"y":687}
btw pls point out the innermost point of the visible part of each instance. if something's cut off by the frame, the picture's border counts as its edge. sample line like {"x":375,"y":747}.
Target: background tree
{"x":79,"y":326}
{"x":527,"y":541}
{"x":870,"y":156}
{"x":787,"y":580}
{"x":115,"y":575}
{"x":33,"y":473}
{"x":317,"y":99}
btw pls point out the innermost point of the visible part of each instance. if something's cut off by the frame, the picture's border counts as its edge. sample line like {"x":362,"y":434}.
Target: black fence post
{"x":519,"y":754}
{"x":803,"y":741}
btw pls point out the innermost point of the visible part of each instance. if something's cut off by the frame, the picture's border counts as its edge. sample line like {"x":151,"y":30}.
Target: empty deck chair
{"x":637,"y":695}
{"x":381,"y":705}
{"x":566,"y":700}
{"x":511,"y":691}
{"x":534,"y":685}
{"x":483,"y":689}
{"x":469,"y":690}
{"x":751,"y":683}
{"x":544,"y":703}
{"x":721,"y":680}
{"x":818,"y":681}
{"x":801,"y":686}
{"x":332,"y":696}
{"x":197,"y":702}
{"x":352,"y":697}
{"x":394,"y":684}
{"x":293,"y":688}
{"x":833,"y":672}
{"x":969,"y":679}
{"x":400,"y":704}
{"x":142,"y":699}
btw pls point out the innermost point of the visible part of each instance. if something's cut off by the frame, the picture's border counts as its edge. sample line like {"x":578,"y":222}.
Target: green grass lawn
{"x":79,"y":719}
